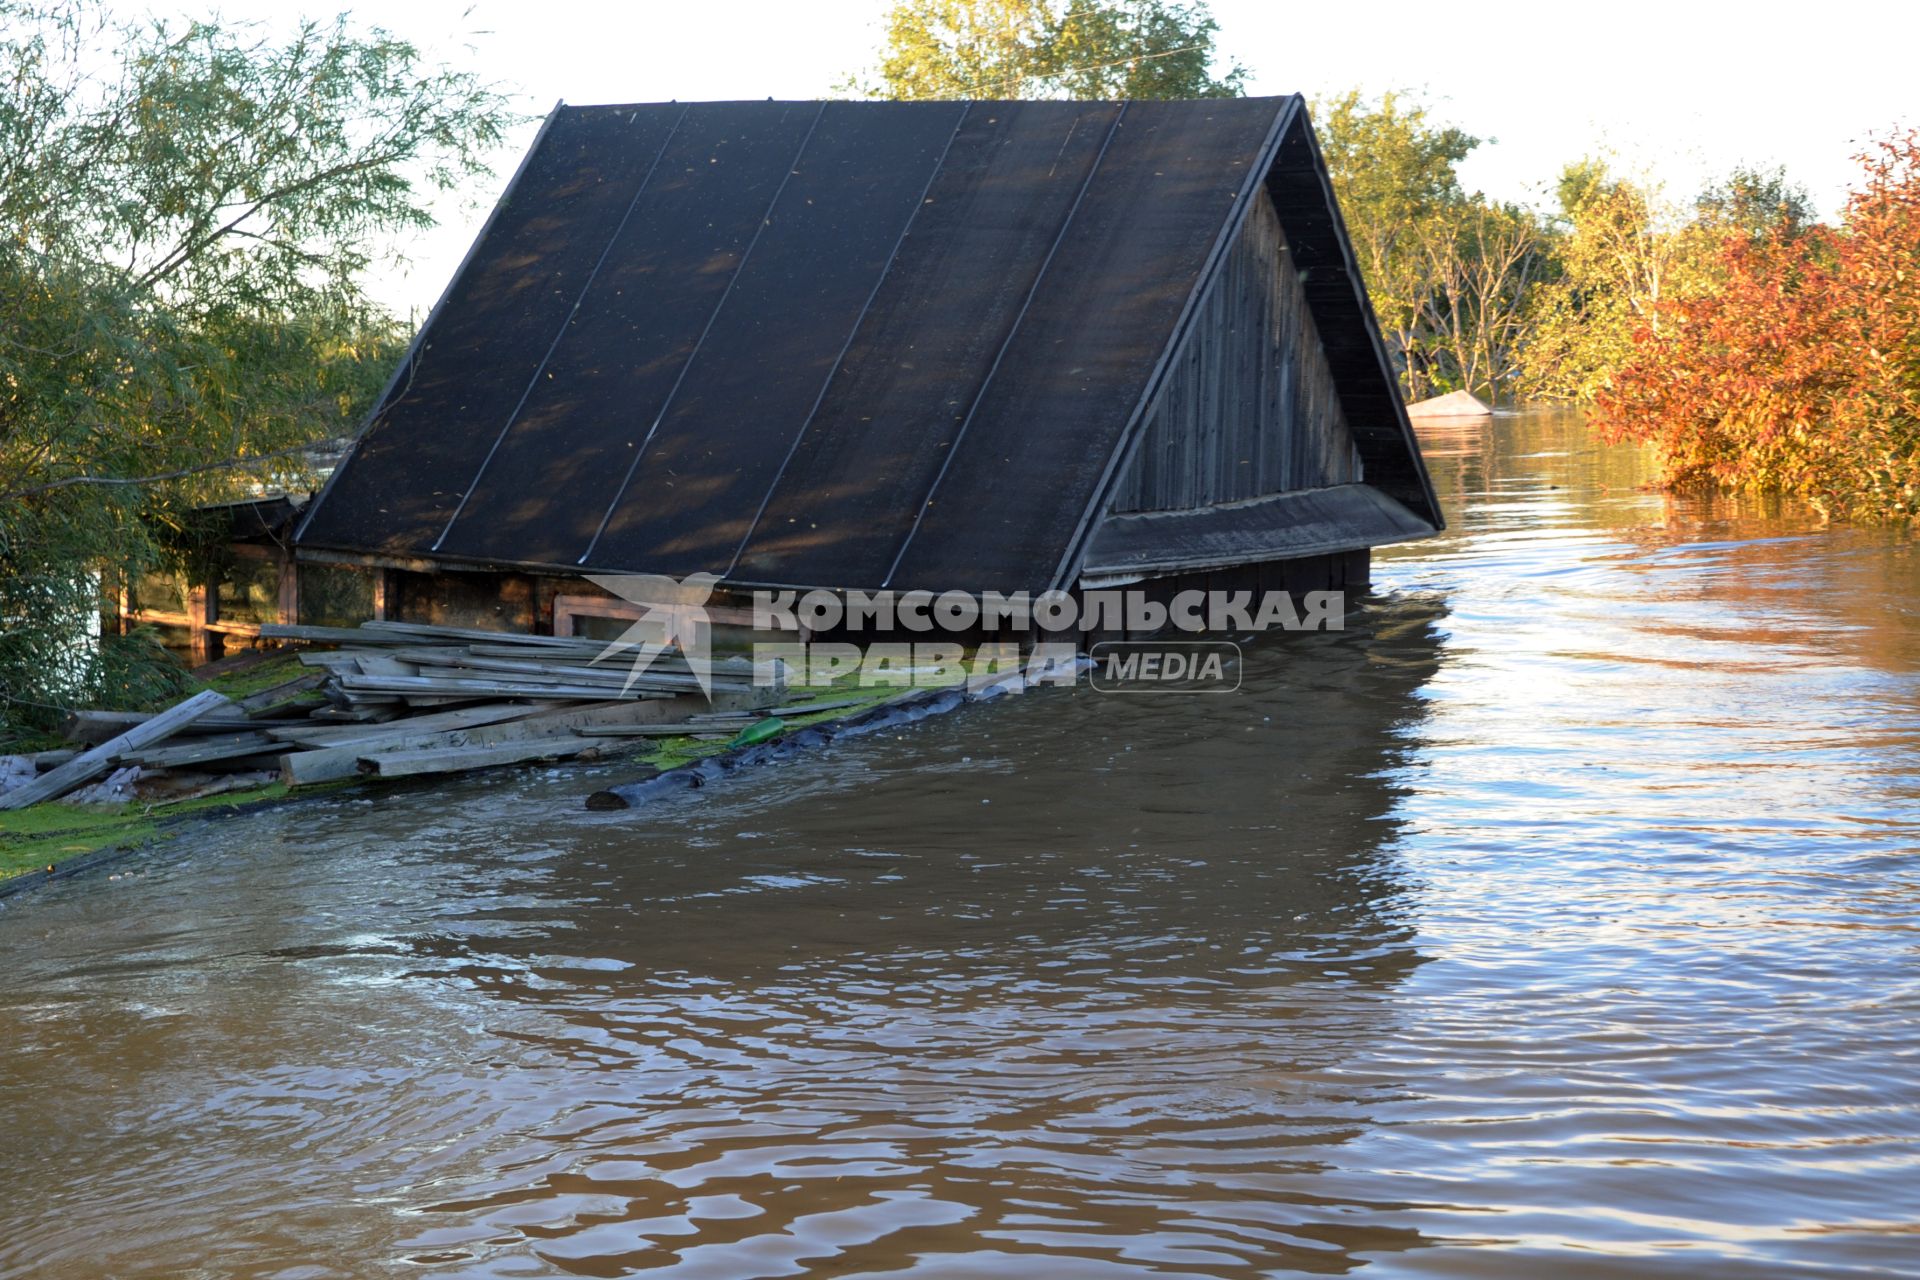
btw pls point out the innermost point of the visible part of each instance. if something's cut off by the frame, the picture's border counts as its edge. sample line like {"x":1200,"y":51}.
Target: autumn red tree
{"x":1801,"y":374}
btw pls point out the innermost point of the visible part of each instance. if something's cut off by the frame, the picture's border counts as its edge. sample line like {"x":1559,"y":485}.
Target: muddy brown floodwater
{"x":1556,"y":919}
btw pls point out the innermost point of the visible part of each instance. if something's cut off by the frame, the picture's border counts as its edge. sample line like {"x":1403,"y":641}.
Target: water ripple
{"x":1559,"y":917}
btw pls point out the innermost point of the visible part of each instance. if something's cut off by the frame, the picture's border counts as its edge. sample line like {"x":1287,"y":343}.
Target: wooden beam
{"x":331,"y":659}
{"x":424,"y":629}
{"x":99,"y":726}
{"x":203,"y":607}
{"x":203,"y":751}
{"x":410,"y":564}
{"x":522,"y":687}
{"x":614,"y":675}
{"x":267,"y":701}
{"x":359,"y":715}
{"x":87,"y":766}
{"x":402,"y":764}
{"x":435,"y":722}
{"x":329,"y":764}
{"x":377,"y":664}
{"x":289,"y":595}
{"x":1286,"y":526}
{"x":330,"y":635}
{"x":808,"y":708}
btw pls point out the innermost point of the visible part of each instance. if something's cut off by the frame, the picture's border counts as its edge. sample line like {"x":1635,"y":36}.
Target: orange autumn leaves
{"x":1801,"y":372}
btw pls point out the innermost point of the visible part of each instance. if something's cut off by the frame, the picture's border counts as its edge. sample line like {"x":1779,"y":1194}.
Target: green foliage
{"x":1390,"y":163}
{"x":1623,"y":253}
{"x":1090,"y":49}
{"x":134,"y":672}
{"x":1616,"y":254}
{"x":1756,"y":203}
{"x":1448,"y":270}
{"x":183,"y":241}
{"x":1582,"y":183}
{"x":1140,"y":49}
{"x":1501,"y":300}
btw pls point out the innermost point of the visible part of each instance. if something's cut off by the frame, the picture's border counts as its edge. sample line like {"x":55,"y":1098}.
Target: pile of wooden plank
{"x":396,"y":699}
{"x":390,"y":664}
{"x":88,"y":766}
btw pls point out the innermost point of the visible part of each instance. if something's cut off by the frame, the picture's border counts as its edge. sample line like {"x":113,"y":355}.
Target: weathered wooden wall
{"x":487,"y":601}
{"x":1346,"y":571}
{"x":1249,"y":406}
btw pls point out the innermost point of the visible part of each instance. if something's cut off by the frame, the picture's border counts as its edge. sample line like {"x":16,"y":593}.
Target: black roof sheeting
{"x":840,"y":344}
{"x":862,"y":469}
{"x":623,"y":358}
{"x":484,"y":343}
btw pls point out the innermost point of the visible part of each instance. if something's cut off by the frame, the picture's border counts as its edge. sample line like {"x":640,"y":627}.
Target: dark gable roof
{"x":834,"y":344}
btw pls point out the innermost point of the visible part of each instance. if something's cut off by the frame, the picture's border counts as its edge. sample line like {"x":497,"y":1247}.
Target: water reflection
{"x":962,"y":1012}
{"x":987,"y":988}
{"x":1559,"y":917}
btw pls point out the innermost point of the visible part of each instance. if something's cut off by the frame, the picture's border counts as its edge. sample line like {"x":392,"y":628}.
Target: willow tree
{"x":1093,"y":49}
{"x":184,"y":246}
{"x":1448,"y":270}
{"x":1482,"y":261}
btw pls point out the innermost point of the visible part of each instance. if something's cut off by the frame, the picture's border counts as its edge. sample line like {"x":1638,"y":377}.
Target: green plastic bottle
{"x":758,"y":731}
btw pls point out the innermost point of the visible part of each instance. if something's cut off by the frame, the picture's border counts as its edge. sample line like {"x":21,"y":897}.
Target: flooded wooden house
{"x":976,"y":346}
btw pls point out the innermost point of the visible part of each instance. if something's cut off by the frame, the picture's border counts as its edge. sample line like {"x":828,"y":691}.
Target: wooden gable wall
{"x":1248,"y":406}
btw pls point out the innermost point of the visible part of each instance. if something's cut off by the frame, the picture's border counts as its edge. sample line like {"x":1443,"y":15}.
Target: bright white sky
{"x":1678,"y":89}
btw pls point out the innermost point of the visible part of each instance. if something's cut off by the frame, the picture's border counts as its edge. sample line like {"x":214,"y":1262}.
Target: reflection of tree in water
{"x":1068,"y":977}
{"x":1718,"y":568}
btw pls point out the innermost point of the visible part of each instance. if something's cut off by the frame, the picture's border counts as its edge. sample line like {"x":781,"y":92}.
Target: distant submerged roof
{"x":1455,"y":404}
{"x":838,"y":344}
